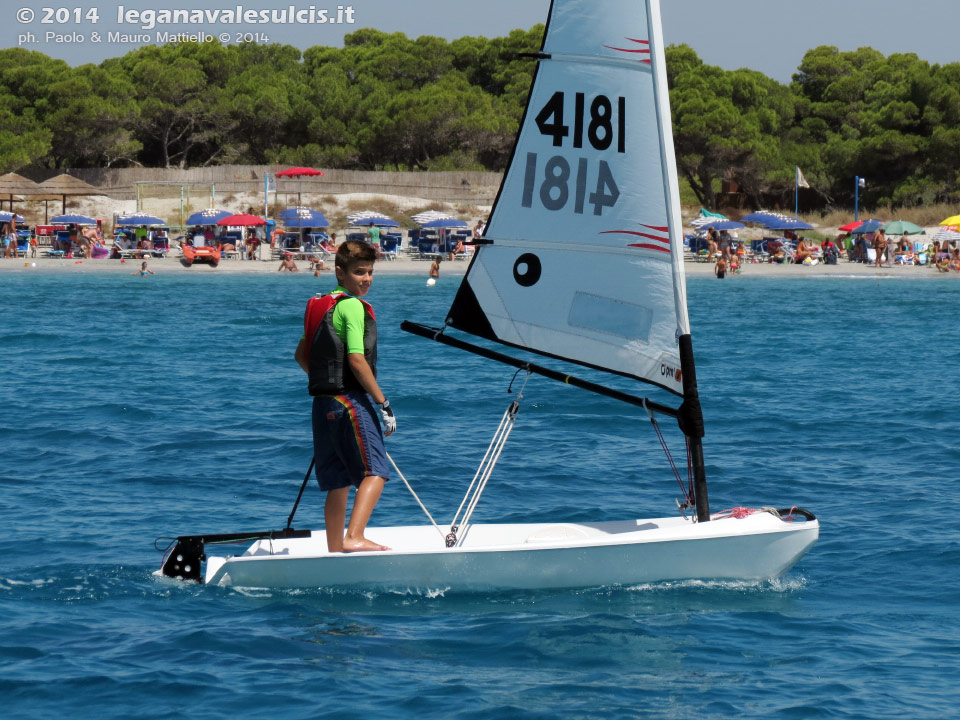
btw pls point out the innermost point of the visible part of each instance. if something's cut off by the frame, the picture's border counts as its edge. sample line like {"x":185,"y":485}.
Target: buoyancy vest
{"x":330,"y":372}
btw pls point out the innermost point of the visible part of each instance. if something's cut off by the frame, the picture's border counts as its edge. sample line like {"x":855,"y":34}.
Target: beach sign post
{"x":858,"y":183}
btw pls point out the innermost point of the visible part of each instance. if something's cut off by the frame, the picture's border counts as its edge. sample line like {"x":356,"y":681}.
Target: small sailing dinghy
{"x":581,"y":261}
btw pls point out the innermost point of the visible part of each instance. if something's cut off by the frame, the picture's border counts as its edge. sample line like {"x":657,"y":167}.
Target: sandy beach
{"x":410,"y":266}
{"x":100,"y":206}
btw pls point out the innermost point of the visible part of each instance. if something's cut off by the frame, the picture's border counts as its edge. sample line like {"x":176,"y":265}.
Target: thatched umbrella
{"x":13,"y":186}
{"x":64,"y":185}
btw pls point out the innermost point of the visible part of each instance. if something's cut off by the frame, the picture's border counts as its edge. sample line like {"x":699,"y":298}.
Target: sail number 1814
{"x":602,"y":127}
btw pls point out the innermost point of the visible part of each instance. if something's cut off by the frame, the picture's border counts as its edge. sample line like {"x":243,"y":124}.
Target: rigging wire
{"x":489,"y":461}
{"x":688,"y":501}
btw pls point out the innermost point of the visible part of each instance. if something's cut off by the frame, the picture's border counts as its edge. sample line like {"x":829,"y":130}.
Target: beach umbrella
{"x":902,"y":227}
{"x":73,"y":219}
{"x":429,"y":215}
{"x":947,"y":234}
{"x":850,"y":226}
{"x":364,"y":218}
{"x":378,"y":221}
{"x":66,"y":185}
{"x":299,"y":173}
{"x":207,"y":217}
{"x":787,"y":223}
{"x":867,"y":226}
{"x":310,"y":222}
{"x":761,"y":216}
{"x":241,"y":220}
{"x":952,"y":220}
{"x":444,"y":223}
{"x":303,"y":217}
{"x":724,"y":225}
{"x":8,"y":216}
{"x":13,"y":185}
{"x":140,"y":218}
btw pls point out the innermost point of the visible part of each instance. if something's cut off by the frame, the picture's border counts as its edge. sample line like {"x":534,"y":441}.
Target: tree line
{"x":386,"y":101}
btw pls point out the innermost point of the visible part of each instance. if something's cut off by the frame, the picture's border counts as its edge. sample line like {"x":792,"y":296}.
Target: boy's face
{"x":356,"y":279}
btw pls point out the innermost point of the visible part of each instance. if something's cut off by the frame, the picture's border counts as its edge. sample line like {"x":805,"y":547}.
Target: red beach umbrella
{"x":242,"y":220}
{"x":850,"y":226}
{"x":299,"y":173}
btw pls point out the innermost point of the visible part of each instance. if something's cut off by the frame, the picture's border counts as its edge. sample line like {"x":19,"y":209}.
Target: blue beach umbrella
{"x":210,"y":216}
{"x":317,"y":221}
{"x":379,"y":222}
{"x":787,"y":223}
{"x":73,"y":219}
{"x":867,"y":226}
{"x":8,"y":216}
{"x":444,"y":223}
{"x":724,"y":225}
{"x":140,"y":218}
{"x":761,"y":216}
{"x":303,"y":217}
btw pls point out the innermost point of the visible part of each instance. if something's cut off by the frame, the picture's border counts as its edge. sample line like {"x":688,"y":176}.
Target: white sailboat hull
{"x":529,"y":556}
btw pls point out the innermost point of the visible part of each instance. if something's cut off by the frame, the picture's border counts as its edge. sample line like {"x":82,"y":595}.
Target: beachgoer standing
{"x":338,"y":351}
{"x":373,"y":235}
{"x":880,"y":245}
{"x":143,"y":271}
{"x":434,"y":271}
{"x":9,"y":239}
{"x":720,"y":269}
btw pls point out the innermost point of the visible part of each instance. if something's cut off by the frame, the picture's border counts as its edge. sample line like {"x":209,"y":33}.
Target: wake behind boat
{"x":581,"y":261}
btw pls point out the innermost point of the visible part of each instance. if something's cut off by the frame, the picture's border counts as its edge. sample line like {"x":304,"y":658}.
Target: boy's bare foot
{"x":362,"y":545}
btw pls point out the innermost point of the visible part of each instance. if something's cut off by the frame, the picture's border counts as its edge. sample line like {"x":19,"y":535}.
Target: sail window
{"x":610,"y":316}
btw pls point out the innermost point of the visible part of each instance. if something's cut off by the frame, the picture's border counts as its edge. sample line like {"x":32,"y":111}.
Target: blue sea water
{"x":138,"y":408}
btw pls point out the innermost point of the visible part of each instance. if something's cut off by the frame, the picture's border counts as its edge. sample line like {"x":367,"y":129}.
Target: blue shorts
{"x":347,"y":440}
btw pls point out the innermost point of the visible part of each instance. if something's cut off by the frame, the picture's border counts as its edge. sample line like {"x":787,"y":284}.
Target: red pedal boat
{"x":202,"y":254}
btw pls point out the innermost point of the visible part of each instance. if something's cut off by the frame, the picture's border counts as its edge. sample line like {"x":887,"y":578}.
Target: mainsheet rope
{"x":415,"y":496}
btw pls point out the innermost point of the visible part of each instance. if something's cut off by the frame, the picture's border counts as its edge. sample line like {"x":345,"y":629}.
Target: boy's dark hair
{"x":351,"y":252}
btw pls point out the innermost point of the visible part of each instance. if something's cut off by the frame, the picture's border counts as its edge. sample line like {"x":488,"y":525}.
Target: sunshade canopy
{"x":867,"y":226}
{"x":73,"y":219}
{"x":902,"y":227}
{"x":242,"y":220}
{"x":140,"y":218}
{"x":207,"y":217}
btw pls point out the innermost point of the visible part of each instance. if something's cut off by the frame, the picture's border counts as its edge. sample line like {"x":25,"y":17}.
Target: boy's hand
{"x":388,"y":418}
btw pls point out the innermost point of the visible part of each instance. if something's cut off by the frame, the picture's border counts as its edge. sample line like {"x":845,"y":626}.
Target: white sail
{"x":586,"y":256}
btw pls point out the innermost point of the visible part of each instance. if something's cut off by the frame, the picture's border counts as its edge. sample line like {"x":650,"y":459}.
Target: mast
{"x":690,"y":415}
{"x":690,"y":420}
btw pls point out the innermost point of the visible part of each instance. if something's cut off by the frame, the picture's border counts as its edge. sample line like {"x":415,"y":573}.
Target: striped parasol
{"x":947,"y":234}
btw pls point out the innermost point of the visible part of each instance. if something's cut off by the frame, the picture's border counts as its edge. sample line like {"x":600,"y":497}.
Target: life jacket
{"x":330,"y":372}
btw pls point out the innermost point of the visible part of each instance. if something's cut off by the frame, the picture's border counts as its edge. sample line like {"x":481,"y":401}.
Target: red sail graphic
{"x":659,"y":238}
{"x":644,"y":50}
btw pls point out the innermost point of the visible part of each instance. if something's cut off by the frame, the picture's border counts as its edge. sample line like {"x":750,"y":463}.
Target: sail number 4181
{"x":600,"y":129}
{"x":603,"y":126}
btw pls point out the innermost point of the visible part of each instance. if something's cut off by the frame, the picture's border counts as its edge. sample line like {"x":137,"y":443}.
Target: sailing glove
{"x":388,"y":418}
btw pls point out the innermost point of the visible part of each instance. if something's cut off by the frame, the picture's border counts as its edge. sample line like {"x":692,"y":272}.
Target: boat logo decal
{"x":670,"y":372}
{"x":642,"y":51}
{"x":527,"y":269}
{"x":658,"y":233}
